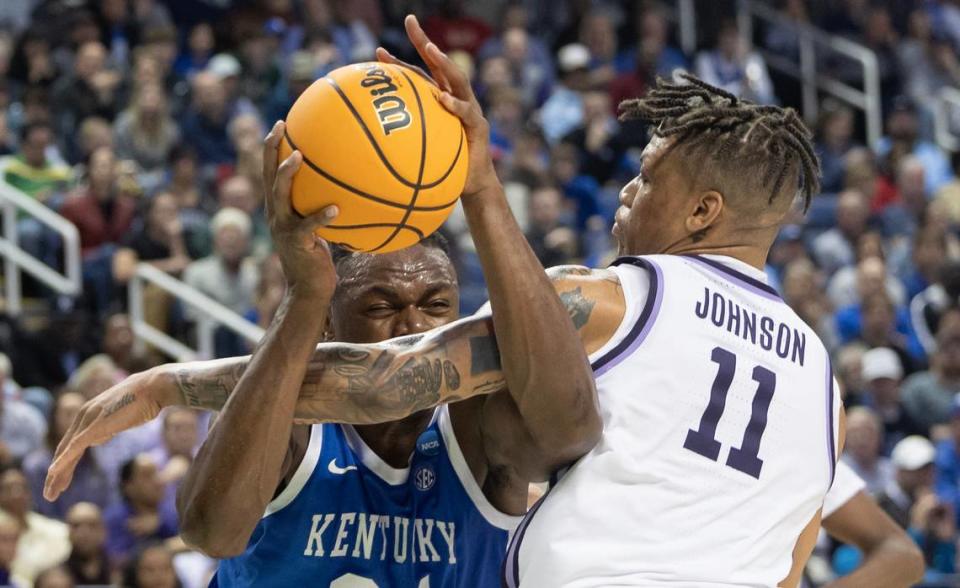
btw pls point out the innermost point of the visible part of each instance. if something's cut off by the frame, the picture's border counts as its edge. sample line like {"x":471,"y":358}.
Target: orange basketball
{"x":377,"y":143}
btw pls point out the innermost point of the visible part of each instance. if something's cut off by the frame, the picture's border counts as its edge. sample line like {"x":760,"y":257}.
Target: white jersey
{"x":719,"y":441}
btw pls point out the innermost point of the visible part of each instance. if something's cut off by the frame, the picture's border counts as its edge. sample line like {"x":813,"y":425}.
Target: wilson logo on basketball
{"x":391,"y":109}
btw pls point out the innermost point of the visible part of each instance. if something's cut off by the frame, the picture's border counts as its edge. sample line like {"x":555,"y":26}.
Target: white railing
{"x":946,"y":115}
{"x":210,"y":315}
{"x":812,"y":39}
{"x":15,"y":258}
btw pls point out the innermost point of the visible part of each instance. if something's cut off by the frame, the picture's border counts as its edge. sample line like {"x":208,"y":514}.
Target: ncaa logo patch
{"x":429,"y":443}
{"x":424,"y":478}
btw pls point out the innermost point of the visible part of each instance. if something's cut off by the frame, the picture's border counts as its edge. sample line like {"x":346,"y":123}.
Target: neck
{"x":141,"y":507}
{"x":394,"y":442}
{"x":752,"y":255}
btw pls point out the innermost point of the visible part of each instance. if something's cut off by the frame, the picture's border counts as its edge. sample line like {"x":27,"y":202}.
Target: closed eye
{"x":379,"y":310}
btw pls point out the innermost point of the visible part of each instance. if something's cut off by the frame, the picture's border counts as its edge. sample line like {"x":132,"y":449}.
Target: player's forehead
{"x":656,"y":150}
{"x":411,"y":271}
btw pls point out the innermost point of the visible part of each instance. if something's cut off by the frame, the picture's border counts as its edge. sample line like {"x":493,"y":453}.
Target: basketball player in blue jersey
{"x":721,"y":420}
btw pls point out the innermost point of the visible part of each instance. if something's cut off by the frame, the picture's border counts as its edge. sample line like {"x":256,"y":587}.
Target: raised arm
{"x":544,"y":363}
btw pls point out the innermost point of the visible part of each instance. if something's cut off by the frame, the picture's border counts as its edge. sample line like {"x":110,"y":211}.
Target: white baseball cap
{"x":572,"y":57}
{"x":881,"y":362}
{"x":224,"y":65}
{"x":913,"y":453}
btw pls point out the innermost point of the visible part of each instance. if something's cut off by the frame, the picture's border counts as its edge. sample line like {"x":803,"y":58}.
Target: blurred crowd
{"x":141,"y":121}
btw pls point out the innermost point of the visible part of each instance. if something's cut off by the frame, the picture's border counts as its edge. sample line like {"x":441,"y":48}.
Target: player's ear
{"x":706,"y":211}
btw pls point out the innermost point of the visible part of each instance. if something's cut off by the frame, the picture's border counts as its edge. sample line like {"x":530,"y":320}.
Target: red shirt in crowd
{"x":463,"y":32}
{"x":99,"y":222}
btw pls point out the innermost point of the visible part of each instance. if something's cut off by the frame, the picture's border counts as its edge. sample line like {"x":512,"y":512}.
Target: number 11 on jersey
{"x":703,"y":439}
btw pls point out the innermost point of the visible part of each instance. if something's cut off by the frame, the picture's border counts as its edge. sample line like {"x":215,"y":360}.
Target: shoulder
{"x":595,"y":300}
{"x":919,"y":380}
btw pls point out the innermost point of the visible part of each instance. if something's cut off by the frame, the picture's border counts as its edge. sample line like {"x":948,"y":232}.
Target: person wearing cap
{"x":861,"y":452}
{"x":882,"y":374}
{"x":903,"y":133}
{"x":928,"y":395}
{"x":911,"y":502}
{"x":912,"y":459}
{"x":228,"y":276}
{"x":563,"y":110}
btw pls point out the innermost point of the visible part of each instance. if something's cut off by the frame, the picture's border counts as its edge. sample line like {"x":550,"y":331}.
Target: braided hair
{"x":732,"y":132}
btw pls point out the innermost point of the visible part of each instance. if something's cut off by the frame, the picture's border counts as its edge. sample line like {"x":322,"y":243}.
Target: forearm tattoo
{"x":206,"y":391}
{"x":124,"y":400}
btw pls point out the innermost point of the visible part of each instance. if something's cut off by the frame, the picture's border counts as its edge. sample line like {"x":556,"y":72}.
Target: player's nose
{"x":410,"y":322}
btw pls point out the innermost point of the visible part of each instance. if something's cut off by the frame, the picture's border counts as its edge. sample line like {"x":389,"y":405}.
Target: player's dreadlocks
{"x":732,"y":131}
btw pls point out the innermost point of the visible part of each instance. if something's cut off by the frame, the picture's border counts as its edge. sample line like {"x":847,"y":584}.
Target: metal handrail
{"x":810,"y":37}
{"x":948,"y":98}
{"x":16,"y":258}
{"x":211,"y":314}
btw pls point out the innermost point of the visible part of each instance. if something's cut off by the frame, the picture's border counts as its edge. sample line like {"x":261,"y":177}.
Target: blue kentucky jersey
{"x":349,"y":520}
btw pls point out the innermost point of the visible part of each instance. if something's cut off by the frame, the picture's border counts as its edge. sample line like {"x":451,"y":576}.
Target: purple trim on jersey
{"x":511,"y":563}
{"x":741,"y":279}
{"x":648,"y":316}
{"x":831,"y":449}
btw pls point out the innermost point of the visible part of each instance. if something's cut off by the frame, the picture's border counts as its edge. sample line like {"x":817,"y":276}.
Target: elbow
{"x":563,"y":441}
{"x":214,"y":534}
{"x":197,"y":533}
{"x":911,"y":559}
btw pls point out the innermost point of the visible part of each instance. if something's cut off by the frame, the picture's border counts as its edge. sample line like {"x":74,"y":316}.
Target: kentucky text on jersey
{"x":769,"y":334}
{"x":381,"y":537}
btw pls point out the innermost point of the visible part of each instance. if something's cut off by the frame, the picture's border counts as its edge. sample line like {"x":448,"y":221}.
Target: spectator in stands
{"x":927,"y":60}
{"x":95,"y":132}
{"x":902,"y":214}
{"x":598,"y":33}
{"x":31,"y":170}
{"x":142,"y":516}
{"x":228,"y":276}
{"x":88,"y":563}
{"x":850,"y":284}
{"x":103,"y":214}
{"x":878,"y":35}
{"x":883,"y":376}
{"x":949,"y":193}
{"x":451,"y":28}
{"x":146,"y":132}
{"x":241,"y":193}
{"x":803,"y":291}
{"x":151,"y":567}
{"x":159,"y":241}
{"x":22,"y":428}
{"x":912,"y":459}
{"x":197,"y":53}
{"x":928,"y":396}
{"x":929,"y":306}
{"x":553,"y":243}
{"x":834,"y":141}
{"x":903,"y":132}
{"x":181,"y":436}
{"x":117,"y":343}
{"x":92,"y":89}
{"x":92,"y":483}
{"x":43,"y":542}
{"x":205,"y":121}
{"x":877,"y":322}
{"x":246,"y":136}
{"x":599,"y":138}
{"x":835,"y":248}
{"x":270,"y":291}
{"x":185,"y":182}
{"x":735,"y":67}
{"x":927,"y":259}
{"x":863,"y":447}
{"x":653,"y":52}
{"x":9,"y":537}
{"x":563,"y":110}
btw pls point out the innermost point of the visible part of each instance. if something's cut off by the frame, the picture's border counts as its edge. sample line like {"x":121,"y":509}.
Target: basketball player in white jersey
{"x":721,"y":421}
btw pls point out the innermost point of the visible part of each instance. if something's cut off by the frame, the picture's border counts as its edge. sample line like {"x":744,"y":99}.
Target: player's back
{"x":719,"y":442}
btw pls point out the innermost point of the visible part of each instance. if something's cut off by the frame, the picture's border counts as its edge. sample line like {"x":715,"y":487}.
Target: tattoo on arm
{"x":578,"y":306}
{"x":484,"y":355}
{"x":202,"y":391}
{"x":124,"y":401}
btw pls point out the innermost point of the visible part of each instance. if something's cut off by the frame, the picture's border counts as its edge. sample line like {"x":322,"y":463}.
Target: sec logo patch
{"x":424,"y":478}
